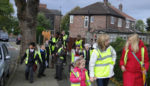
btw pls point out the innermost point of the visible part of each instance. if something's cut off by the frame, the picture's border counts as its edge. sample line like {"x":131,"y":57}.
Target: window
{"x":5,"y":50}
{"x":119,"y":22}
{"x":71,"y":18}
{"x":112,"y":20}
{"x":86,"y":21}
{"x":92,"y":19}
{"x":127,"y":23}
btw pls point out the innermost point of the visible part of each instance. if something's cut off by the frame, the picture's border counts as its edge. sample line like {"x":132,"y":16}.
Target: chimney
{"x":105,"y":2}
{"x":120,"y":7}
{"x":43,"y":6}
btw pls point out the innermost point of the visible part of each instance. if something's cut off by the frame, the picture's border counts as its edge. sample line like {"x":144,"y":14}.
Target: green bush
{"x":118,"y":46}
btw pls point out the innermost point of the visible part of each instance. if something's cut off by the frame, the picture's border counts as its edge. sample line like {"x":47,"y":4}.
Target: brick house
{"x":102,"y":16}
{"x":53,"y":15}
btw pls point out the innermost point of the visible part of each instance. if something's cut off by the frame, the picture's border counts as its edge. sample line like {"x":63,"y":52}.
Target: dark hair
{"x":32,"y":44}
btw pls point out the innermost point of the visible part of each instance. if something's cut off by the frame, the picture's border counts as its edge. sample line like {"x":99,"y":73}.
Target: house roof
{"x":49,"y":11}
{"x":97,"y":8}
{"x":109,"y":30}
{"x":122,"y":13}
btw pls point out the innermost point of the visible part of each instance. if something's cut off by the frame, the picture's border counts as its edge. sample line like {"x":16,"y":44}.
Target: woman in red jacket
{"x":130,"y":66}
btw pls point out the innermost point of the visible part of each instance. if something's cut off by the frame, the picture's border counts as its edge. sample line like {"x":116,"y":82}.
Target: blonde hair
{"x":134,"y":42}
{"x":102,"y":40}
{"x":79,"y":62}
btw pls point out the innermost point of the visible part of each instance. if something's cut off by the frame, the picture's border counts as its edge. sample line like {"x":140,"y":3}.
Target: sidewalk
{"x":19,"y":78}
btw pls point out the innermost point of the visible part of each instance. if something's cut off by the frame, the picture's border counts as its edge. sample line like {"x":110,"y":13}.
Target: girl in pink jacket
{"x":79,"y":75}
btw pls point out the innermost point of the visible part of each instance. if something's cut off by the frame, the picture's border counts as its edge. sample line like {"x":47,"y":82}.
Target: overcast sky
{"x":138,"y":9}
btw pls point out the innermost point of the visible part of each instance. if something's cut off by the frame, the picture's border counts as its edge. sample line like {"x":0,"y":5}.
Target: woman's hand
{"x":92,"y":79}
{"x":123,"y":68}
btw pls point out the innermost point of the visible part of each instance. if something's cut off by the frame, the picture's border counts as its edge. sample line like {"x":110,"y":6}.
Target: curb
{"x":12,"y":75}
{"x":116,"y":82}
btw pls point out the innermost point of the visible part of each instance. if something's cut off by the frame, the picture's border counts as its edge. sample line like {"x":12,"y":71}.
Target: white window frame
{"x":112,"y":20}
{"x":92,"y":19}
{"x":86,"y":20}
{"x":71,"y":18}
{"x":119,"y":22}
{"x":127,"y":24}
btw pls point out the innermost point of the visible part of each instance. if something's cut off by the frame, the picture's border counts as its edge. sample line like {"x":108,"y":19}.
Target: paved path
{"x":19,"y":79}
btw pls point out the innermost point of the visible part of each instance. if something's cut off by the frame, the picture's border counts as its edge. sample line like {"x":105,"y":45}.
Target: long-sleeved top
{"x":132,"y":64}
{"x":31,"y":60}
{"x":94,"y":59}
{"x":81,"y":78}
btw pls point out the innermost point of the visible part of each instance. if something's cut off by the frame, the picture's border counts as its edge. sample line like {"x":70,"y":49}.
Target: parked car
{"x":4,"y":37}
{"x":4,"y":63}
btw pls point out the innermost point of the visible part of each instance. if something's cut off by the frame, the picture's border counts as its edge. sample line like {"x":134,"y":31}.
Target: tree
{"x":27,"y":11}
{"x":148,"y":24}
{"x":42,"y":24}
{"x":6,"y":11}
{"x":140,"y":25}
{"x":14,"y":24}
{"x":65,"y":20}
{"x":42,"y":21}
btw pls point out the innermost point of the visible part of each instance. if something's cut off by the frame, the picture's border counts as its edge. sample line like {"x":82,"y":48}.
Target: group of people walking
{"x":99,"y":66}
{"x":56,"y":47}
{"x":89,"y":62}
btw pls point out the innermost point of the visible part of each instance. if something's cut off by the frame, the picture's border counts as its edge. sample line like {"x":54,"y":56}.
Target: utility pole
{"x":88,"y":34}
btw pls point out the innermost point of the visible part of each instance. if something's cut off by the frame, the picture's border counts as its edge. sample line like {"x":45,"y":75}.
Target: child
{"x":30,"y":60}
{"x":59,"y":64}
{"x":76,"y":53}
{"x":79,"y":75}
{"x":42,"y":56}
{"x":87,"y":55}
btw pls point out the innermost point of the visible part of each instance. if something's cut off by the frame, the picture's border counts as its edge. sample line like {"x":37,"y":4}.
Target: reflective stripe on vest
{"x":102,"y":66}
{"x":79,"y":43}
{"x":126,"y":56}
{"x":27,"y":58}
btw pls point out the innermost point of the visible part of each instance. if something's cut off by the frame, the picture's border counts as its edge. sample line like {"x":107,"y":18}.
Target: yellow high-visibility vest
{"x":27,"y":57}
{"x":102,"y":66}
{"x":59,"y":51}
{"x":54,"y":41}
{"x":88,"y":83}
{"x":126,"y":58}
{"x":73,"y":56}
{"x":64,"y":39}
{"x":91,"y":51}
{"x":79,"y":43}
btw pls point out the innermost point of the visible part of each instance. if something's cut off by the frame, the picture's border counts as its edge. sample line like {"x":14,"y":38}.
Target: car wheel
{"x":2,"y":82}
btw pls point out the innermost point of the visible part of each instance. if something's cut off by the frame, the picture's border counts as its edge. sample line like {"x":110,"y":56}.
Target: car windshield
{"x":0,"y":53}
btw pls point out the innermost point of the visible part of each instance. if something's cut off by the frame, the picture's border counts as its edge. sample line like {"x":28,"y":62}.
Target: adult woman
{"x":102,"y":61}
{"x":134,"y":55}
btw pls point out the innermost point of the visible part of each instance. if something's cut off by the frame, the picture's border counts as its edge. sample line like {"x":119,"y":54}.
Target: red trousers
{"x":132,"y":79}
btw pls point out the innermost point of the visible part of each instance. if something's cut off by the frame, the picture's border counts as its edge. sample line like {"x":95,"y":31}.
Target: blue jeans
{"x":102,"y":82}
